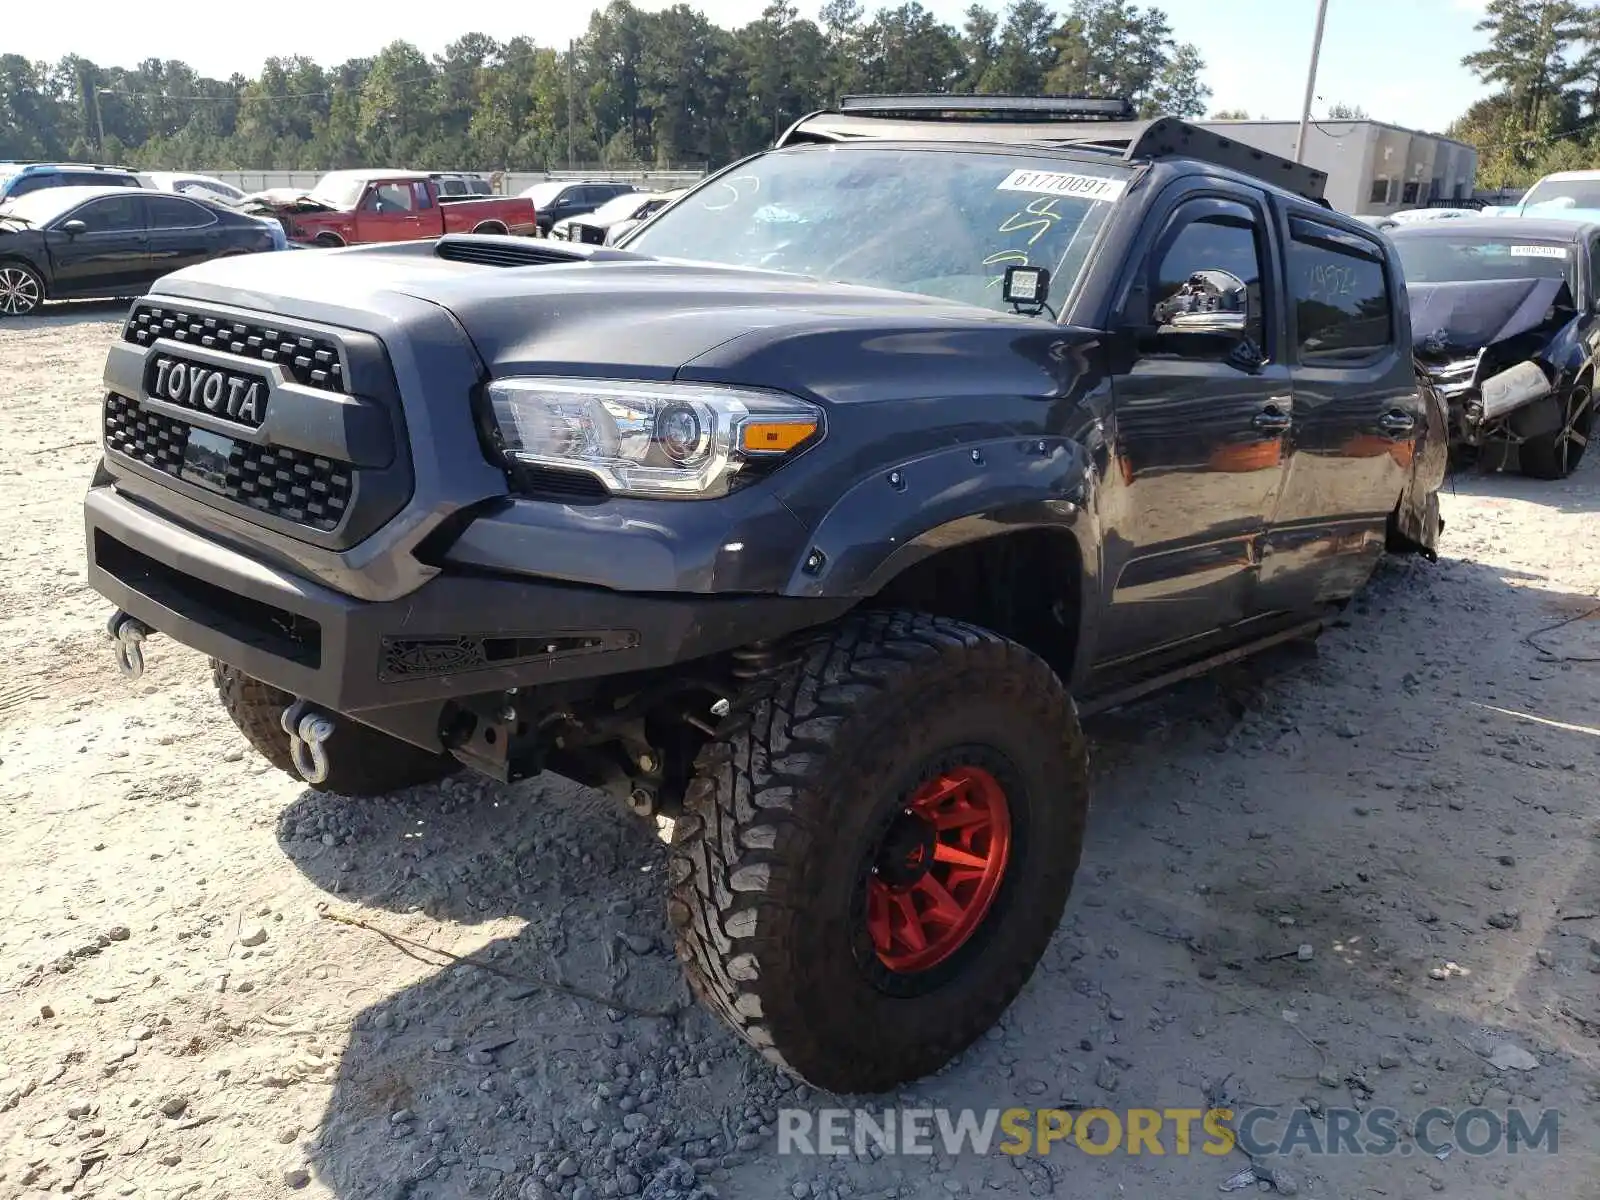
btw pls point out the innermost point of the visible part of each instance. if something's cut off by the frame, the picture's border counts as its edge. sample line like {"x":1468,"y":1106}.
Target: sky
{"x":1398,"y":59}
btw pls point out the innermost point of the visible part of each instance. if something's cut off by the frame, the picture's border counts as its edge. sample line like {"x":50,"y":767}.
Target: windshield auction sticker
{"x":1538,"y":252}
{"x":1061,"y":183}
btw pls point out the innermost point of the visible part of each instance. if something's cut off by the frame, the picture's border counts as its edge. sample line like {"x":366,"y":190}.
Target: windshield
{"x":1434,"y":259}
{"x":338,"y":191}
{"x":1565,"y":193}
{"x":942,"y":223}
{"x":37,"y":207}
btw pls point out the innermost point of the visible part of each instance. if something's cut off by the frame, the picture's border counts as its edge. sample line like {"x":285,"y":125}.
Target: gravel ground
{"x":187,"y":1008}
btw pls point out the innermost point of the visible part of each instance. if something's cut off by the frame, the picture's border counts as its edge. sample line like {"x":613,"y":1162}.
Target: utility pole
{"x":99,"y":125}
{"x":1311,"y":83}
{"x":572,"y":48}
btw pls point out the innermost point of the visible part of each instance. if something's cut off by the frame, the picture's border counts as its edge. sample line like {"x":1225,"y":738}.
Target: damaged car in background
{"x":1503,"y":316}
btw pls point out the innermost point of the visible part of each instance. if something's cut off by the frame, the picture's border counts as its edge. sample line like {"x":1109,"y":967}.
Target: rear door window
{"x":174,"y":212}
{"x":1339,"y":292}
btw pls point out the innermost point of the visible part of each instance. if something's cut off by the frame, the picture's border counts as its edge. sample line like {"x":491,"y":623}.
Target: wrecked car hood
{"x":1470,"y":316}
{"x":285,"y":200}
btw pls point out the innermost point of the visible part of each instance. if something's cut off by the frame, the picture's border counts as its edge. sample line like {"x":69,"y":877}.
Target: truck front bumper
{"x":395,"y":664}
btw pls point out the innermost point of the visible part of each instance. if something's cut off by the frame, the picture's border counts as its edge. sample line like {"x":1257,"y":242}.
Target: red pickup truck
{"x":349,"y":207}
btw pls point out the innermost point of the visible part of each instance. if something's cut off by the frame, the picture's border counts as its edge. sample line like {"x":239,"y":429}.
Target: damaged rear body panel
{"x":1502,"y":317}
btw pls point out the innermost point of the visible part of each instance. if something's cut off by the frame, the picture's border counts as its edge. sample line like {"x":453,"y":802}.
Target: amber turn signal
{"x":774,"y":437}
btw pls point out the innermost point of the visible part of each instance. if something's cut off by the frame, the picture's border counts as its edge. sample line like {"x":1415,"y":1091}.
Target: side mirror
{"x":1209,"y":317}
{"x":1208,"y":302}
{"x":73,"y":227}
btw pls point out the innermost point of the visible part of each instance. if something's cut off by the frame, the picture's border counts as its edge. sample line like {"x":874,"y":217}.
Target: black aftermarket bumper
{"x":387,"y":662}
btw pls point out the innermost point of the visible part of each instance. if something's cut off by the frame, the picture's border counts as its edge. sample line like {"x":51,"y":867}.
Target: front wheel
{"x":1556,"y":455}
{"x":21,"y":289}
{"x":877,"y":848}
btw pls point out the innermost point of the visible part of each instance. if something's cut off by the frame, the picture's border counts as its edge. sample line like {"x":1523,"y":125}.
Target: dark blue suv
{"x":20,"y":178}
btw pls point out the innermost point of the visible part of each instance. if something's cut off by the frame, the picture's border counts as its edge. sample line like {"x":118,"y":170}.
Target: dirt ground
{"x":187,"y":1011}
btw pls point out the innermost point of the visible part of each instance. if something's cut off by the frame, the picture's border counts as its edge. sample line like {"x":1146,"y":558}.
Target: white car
{"x":1412,"y":215}
{"x":613,"y":218}
{"x":207,"y":187}
{"x":1564,"y":195}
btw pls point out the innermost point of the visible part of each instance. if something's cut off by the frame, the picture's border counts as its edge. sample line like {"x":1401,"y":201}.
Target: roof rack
{"x":993,"y":108}
{"x":1056,"y":122}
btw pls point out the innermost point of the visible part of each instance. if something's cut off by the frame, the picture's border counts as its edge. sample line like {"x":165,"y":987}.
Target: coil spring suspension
{"x":755,"y":660}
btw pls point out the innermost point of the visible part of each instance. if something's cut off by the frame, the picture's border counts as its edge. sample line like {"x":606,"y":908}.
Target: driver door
{"x":110,"y":256}
{"x":388,"y":213}
{"x":1201,"y":417}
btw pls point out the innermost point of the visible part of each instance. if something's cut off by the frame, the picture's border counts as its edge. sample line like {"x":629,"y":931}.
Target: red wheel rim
{"x":939,"y":869}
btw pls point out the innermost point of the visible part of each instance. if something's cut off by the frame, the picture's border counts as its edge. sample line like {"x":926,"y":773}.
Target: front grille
{"x":311,"y":361}
{"x":1451,"y":376}
{"x":146,"y":437}
{"x":282,"y":482}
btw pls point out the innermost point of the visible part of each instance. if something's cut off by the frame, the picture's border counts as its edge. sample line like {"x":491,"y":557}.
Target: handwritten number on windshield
{"x":1040,"y":216}
{"x":1044,"y":212}
{"x":735,"y":188}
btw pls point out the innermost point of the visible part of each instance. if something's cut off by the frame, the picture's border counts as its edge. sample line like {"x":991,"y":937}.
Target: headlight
{"x":675,"y":440}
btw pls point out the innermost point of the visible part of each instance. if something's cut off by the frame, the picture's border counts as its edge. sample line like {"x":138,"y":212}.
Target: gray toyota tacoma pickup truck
{"x":812,"y":516}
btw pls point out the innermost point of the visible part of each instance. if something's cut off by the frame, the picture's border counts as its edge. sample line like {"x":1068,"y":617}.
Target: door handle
{"x":1272,"y":419}
{"x":1396,"y":423}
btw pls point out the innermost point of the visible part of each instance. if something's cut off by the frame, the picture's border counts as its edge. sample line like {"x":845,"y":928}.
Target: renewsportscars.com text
{"x":1261,"y":1132}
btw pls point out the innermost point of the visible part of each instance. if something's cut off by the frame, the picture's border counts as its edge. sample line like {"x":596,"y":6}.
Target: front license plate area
{"x":205,"y":459}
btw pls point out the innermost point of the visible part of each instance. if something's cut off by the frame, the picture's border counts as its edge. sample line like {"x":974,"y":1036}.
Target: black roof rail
{"x":925,"y":106}
{"x":968,"y":119}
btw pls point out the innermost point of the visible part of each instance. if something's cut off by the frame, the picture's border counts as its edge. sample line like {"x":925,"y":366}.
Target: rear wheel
{"x":1556,"y":455}
{"x":361,"y":761}
{"x":877,"y":848}
{"x":328,"y":241}
{"x":21,"y":289}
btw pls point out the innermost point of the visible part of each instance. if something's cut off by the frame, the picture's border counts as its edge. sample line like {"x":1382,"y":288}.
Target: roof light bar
{"x":1104,"y":108}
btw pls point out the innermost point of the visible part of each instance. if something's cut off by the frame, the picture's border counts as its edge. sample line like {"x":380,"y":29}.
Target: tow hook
{"x":309,"y":731}
{"x":127,"y":634}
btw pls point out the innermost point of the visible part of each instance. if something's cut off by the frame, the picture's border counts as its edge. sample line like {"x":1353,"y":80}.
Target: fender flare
{"x":905,"y":512}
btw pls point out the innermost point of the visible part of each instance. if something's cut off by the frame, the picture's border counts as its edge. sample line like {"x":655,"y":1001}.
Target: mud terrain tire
{"x":362,"y":761}
{"x":792,"y":804}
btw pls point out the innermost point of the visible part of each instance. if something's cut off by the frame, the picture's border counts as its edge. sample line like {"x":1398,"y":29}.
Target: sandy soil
{"x":1416,"y":802}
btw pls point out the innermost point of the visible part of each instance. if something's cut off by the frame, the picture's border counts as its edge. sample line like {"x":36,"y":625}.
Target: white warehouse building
{"x":1372,"y":167}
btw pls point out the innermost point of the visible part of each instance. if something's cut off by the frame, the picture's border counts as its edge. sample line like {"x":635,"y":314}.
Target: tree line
{"x":1542,"y":60}
{"x":666,"y":88}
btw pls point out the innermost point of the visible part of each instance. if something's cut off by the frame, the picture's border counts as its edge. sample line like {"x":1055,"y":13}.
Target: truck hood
{"x":1470,"y":316}
{"x":588,"y":311}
